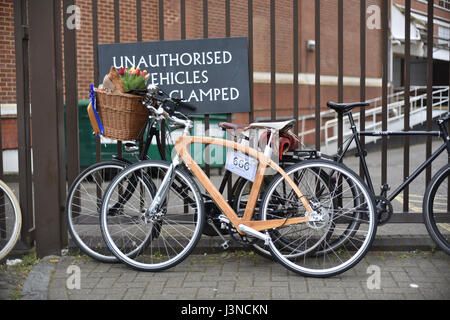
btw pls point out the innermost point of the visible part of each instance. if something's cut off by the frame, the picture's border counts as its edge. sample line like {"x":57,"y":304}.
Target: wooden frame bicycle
{"x":182,"y":145}
{"x":298,"y":213}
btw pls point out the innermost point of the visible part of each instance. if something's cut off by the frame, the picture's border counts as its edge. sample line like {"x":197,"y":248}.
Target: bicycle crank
{"x":255,"y":233}
{"x":226,"y":243}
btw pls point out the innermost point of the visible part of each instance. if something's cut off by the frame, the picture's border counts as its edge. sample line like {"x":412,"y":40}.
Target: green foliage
{"x":133,"y":79}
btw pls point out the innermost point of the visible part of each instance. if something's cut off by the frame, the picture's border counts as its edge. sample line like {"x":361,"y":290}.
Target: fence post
{"x":48,"y":124}
{"x":23,"y":121}
{"x":384,"y":112}
{"x":429,"y":103}
{"x":317,"y":72}
{"x":362,"y":80}
{"x":407,"y":86}
{"x":70,"y":67}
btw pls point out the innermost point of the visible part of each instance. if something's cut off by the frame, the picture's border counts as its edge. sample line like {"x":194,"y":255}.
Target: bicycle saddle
{"x":280,"y":125}
{"x":232,"y":126}
{"x":345,"y":107}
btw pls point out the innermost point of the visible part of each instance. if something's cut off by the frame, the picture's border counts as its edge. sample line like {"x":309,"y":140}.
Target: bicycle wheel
{"x":158,"y":240}
{"x":241,"y":191}
{"x":10,"y":220}
{"x":436,"y":207}
{"x":305,"y":248}
{"x":83,"y":206}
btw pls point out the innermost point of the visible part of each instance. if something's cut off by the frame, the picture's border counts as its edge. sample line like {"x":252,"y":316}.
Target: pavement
{"x":403,"y":258}
{"x":241,"y":275}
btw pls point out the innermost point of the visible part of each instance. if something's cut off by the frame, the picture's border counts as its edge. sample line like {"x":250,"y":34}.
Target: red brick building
{"x":239,"y":26}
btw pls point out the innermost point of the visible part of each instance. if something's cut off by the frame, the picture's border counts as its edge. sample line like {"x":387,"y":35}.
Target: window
{"x":444,"y":4}
{"x":444,"y":35}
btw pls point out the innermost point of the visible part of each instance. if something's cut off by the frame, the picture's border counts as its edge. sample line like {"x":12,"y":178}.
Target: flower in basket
{"x":134,"y":79}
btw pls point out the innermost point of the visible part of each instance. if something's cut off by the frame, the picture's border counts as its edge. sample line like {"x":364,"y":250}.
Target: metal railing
{"x":396,"y":111}
{"x":375,"y":102}
{"x":44,"y":45}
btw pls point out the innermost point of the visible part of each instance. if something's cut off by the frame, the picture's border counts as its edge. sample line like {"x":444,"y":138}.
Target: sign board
{"x":211,"y":74}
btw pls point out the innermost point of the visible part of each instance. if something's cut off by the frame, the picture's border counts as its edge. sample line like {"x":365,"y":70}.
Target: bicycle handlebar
{"x":168,"y":103}
{"x":166,"y":106}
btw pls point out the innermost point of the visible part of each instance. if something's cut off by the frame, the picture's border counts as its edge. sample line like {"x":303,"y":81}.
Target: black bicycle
{"x":436,"y":204}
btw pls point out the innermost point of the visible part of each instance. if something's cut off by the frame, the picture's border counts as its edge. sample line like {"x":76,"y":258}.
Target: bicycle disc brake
{"x":384,"y":210}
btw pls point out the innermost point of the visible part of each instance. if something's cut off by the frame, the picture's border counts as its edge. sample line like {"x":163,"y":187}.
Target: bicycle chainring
{"x":213,"y":213}
{"x":384,"y":210}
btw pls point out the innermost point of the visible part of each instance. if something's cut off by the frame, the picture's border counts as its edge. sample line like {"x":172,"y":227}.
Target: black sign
{"x":210,"y":73}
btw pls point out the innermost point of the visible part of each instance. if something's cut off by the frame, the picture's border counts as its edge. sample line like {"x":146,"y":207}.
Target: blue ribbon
{"x":92,"y":97}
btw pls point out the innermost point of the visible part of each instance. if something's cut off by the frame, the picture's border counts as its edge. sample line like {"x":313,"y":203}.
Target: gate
{"x":46,"y":50}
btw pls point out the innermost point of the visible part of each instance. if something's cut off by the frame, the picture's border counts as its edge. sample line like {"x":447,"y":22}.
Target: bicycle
{"x":10,"y":220}
{"x":297,"y":219}
{"x":85,"y":194}
{"x":435,"y":211}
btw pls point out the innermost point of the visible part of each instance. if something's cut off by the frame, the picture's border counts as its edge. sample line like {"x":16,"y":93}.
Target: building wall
{"x":7,"y":55}
{"x":239,"y":25}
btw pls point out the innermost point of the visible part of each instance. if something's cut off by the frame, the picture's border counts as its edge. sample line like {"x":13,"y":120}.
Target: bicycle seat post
{"x":351,"y":120}
{"x":361,"y":153}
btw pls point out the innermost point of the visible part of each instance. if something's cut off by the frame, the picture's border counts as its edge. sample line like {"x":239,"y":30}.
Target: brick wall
{"x":216,"y":28}
{"x":7,"y":55}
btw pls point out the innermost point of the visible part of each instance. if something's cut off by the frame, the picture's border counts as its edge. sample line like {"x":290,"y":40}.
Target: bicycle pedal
{"x":225,"y":245}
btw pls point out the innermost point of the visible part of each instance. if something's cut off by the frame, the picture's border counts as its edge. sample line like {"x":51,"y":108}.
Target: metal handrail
{"x":395,"y":111}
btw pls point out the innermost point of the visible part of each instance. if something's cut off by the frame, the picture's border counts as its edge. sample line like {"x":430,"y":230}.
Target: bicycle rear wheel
{"x":10,"y":220}
{"x":308,"y":248}
{"x":160,"y":239}
{"x":436,"y":208}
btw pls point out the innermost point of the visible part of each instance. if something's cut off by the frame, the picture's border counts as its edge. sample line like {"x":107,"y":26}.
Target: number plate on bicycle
{"x":241,"y":164}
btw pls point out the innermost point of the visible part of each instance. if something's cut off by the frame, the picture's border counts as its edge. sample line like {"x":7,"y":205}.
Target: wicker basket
{"x":123,"y":115}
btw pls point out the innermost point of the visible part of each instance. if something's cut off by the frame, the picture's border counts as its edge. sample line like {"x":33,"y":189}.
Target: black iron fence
{"x":38,"y":45}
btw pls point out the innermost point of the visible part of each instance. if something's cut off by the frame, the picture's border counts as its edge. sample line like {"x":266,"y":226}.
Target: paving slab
{"x":418,"y":275}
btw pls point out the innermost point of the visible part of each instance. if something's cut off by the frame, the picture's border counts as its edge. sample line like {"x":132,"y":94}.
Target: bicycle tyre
{"x":11,"y":235}
{"x":435,"y":195}
{"x":238,"y":204}
{"x":87,"y":234}
{"x":303,"y":258}
{"x":153,"y":238}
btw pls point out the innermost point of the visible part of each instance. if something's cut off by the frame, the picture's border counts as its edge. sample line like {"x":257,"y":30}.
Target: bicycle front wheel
{"x":308,"y":248}
{"x":436,"y":209}
{"x":153,"y":240}
{"x":10,"y":220}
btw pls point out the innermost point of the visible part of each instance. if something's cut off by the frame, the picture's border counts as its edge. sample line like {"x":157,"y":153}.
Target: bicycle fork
{"x":163,"y":189}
